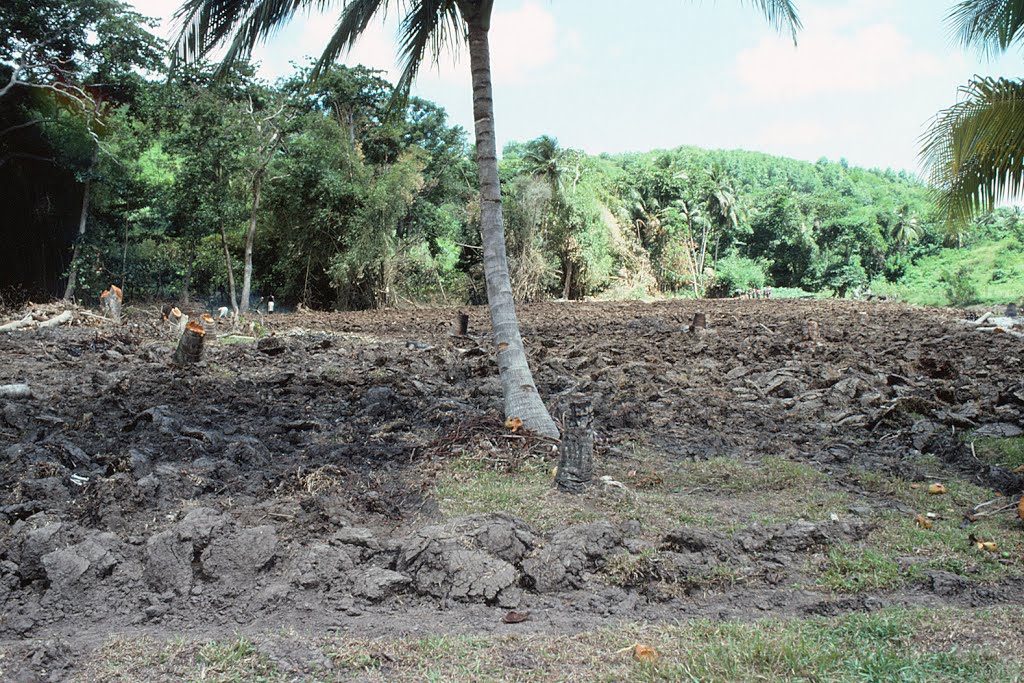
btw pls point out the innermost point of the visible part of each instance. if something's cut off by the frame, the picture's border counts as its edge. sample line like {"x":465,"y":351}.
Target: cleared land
{"x":339,"y":500}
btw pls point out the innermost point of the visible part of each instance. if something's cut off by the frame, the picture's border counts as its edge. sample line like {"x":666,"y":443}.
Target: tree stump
{"x":111,"y":300}
{"x":576,"y":451}
{"x":700,"y":322}
{"x":862,"y":317}
{"x":1011,"y":311}
{"x":811,"y":331}
{"x":190,"y":345}
{"x":460,"y":327}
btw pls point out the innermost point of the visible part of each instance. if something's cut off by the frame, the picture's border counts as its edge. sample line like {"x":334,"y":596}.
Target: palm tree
{"x":974,"y":150}
{"x":426,"y":25}
{"x":905,"y":229}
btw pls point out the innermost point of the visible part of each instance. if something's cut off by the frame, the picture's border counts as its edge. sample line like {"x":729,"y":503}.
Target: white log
{"x":15,"y":391}
{"x":18,"y":324}
{"x":57,"y":320}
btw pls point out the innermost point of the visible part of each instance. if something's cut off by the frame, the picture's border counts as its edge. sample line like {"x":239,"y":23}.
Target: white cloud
{"x":840,"y":52}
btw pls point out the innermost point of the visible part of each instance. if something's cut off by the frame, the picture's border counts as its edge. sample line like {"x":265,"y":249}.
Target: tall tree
{"x":974,"y":150}
{"x":426,"y":25}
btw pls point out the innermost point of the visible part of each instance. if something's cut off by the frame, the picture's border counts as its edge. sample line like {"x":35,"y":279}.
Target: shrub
{"x":960,"y":288}
{"x":734,"y":273}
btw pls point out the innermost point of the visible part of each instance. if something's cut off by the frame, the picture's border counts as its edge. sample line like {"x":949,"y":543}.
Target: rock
{"x":37,"y":543}
{"x":465,"y":560}
{"x":1002,"y":430}
{"x":946,"y":583}
{"x":169,"y":562}
{"x":375,"y":583}
{"x":63,"y":568}
{"x":379,"y":401}
{"x":95,"y":555}
{"x":570,"y":554}
{"x":272,"y":346}
{"x":240,"y":556}
{"x":705,"y":541}
{"x":200,"y":524}
{"x":321,"y":565}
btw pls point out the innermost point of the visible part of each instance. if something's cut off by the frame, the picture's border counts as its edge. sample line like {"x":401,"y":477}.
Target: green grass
{"x":893,"y":644}
{"x":994,"y":271}
{"x":898,"y":551}
{"x":660,"y":494}
{"x":1005,"y":452}
{"x":130,"y":660}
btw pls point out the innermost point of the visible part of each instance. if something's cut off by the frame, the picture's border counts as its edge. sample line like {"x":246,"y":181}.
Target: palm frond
{"x":432,"y":25}
{"x":781,"y":14}
{"x":990,"y":26}
{"x":205,"y":24}
{"x":355,"y":18}
{"x":974,"y":150}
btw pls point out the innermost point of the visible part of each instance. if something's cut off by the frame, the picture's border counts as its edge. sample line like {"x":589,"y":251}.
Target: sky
{"x":862,"y":82}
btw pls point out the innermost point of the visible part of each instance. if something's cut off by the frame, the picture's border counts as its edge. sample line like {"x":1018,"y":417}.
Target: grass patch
{"x":734,"y":476}
{"x":884,"y":646}
{"x":899,"y":551}
{"x":659,"y":494}
{"x":130,"y":660}
{"x":991,"y":272}
{"x":1005,"y":452}
{"x":889,"y":645}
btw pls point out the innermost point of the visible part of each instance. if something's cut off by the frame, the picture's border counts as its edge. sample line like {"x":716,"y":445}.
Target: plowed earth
{"x":289,"y":481}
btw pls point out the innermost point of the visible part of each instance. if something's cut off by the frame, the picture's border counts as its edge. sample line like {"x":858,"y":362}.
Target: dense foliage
{"x":341,"y":194}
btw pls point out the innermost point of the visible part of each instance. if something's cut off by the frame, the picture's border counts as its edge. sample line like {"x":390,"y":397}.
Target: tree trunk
{"x":231,"y":272}
{"x":521,"y":397}
{"x":69,"y":291}
{"x":187,"y":284}
{"x":250,"y":239}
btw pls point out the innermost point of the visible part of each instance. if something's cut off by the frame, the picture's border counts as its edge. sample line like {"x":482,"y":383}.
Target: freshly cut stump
{"x":190,"y":345}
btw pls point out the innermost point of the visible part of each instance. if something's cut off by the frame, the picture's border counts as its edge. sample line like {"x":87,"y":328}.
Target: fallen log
{"x":15,"y":391}
{"x":18,"y":324}
{"x":57,"y":320}
{"x":190,"y":345}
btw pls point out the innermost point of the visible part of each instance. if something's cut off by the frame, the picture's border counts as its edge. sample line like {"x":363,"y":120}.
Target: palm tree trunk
{"x":520,"y":391}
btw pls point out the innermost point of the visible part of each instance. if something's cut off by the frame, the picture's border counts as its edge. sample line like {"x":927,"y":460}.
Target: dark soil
{"x":286,"y":482}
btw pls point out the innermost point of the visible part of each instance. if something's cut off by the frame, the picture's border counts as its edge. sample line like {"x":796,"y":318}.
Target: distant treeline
{"x":338,"y":194}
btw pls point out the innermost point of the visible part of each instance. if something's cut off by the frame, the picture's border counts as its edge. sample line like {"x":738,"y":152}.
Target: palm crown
{"x":974,"y":150}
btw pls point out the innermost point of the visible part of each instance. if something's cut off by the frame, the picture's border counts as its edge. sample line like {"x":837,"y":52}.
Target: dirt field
{"x":349,"y":475}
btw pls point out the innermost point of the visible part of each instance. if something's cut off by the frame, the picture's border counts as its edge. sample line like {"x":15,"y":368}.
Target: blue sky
{"x":862,"y":82}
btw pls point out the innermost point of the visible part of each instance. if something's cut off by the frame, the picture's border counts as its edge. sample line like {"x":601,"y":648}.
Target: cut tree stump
{"x":700,"y":322}
{"x":811,"y":331}
{"x":576,"y":450}
{"x":111,"y":301}
{"x":190,"y":345}
{"x":460,"y":327}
